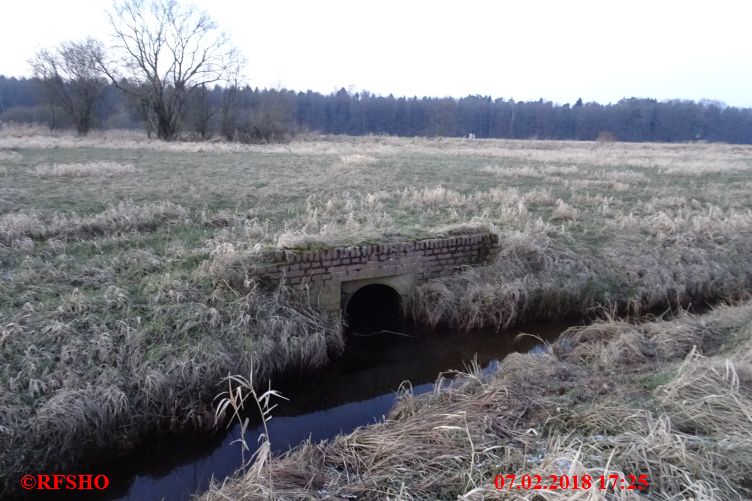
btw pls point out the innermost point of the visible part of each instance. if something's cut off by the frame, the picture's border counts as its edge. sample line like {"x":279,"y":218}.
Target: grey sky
{"x":598,"y":50}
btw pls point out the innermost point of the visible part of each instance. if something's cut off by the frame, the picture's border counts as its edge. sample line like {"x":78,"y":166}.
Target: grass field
{"x":122,"y":304}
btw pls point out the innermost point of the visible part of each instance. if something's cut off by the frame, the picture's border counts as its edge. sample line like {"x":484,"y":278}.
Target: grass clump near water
{"x":574,"y":408}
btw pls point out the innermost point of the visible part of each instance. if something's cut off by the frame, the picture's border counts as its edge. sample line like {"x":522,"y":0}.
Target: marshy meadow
{"x":126,"y":299}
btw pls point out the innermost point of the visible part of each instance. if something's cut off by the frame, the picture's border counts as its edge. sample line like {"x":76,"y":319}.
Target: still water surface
{"x":353,"y":391}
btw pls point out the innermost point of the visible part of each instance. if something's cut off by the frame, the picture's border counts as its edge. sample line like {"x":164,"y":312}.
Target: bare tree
{"x":163,"y":52}
{"x":228,"y":122}
{"x":72,"y":80}
{"x":200,"y":111}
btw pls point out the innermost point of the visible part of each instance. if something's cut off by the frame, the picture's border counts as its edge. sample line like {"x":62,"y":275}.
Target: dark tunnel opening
{"x":373,"y":308}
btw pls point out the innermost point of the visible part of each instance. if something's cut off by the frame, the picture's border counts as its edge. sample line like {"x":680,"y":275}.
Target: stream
{"x":355,"y":390}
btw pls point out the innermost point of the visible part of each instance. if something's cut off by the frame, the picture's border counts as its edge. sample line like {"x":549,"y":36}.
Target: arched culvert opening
{"x":373,"y":308}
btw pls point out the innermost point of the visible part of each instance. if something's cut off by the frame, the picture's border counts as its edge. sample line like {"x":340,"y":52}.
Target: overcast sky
{"x":558,"y":50}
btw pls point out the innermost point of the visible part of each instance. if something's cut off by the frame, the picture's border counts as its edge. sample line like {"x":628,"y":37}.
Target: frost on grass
{"x":89,"y":169}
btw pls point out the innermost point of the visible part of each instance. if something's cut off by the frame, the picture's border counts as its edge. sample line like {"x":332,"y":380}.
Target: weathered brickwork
{"x":331,"y":274}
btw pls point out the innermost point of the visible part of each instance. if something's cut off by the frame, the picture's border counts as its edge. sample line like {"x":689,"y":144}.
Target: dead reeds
{"x":549,"y":413}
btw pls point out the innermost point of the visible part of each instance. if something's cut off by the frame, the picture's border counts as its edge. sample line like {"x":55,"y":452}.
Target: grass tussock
{"x":552,"y":412}
{"x":356,"y":159}
{"x":89,"y":169}
{"x":125,"y":216}
{"x":710,"y":397}
{"x":545,"y":271}
{"x":126,"y":387}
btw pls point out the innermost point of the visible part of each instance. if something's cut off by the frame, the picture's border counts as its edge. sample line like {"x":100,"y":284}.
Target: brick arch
{"x":372,"y":306}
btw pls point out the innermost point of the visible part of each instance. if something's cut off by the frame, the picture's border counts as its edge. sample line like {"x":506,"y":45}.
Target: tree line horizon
{"x":248,"y":114}
{"x":169,"y":70}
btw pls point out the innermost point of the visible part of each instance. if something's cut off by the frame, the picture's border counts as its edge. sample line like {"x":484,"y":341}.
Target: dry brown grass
{"x":670,"y":258}
{"x":563,"y":212}
{"x":567,"y":156}
{"x":358,"y":159}
{"x":89,"y":169}
{"x":711,"y":397}
{"x":548,"y":413}
{"x":124,"y":216}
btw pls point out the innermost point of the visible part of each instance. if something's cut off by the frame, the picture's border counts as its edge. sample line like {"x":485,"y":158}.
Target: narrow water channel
{"x":356,"y":390}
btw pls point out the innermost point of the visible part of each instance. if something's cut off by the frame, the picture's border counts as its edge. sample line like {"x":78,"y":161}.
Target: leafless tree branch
{"x":72,"y":79}
{"x":163,"y":51}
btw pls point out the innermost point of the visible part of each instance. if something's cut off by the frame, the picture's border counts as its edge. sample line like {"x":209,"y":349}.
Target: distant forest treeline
{"x":249,"y":114}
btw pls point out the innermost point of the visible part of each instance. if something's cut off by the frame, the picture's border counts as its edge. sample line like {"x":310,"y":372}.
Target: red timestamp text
{"x":614,"y":482}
